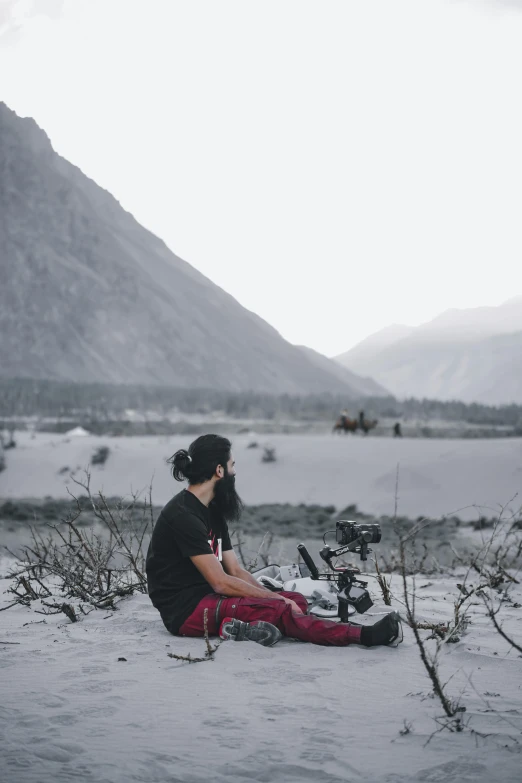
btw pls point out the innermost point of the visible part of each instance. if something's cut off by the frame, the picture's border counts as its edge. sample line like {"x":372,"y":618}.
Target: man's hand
{"x":295,"y":607}
{"x":238,"y":583}
{"x":232,"y":567}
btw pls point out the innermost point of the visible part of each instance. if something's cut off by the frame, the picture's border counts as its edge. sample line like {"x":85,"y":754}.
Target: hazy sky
{"x":336,"y":166}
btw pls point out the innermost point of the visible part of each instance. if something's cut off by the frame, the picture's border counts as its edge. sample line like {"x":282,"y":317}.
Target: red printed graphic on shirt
{"x":215,"y":545}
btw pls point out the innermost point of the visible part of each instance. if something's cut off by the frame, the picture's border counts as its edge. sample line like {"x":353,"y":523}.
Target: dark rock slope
{"x":88,"y":294}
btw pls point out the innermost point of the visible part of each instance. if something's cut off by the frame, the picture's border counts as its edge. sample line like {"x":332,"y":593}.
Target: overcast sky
{"x":336,"y":166}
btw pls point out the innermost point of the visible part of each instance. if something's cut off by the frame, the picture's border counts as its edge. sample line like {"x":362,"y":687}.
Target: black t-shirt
{"x":184,"y":528}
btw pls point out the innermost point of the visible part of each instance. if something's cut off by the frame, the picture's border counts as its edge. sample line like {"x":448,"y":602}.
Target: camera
{"x":346,"y":532}
{"x":352,"y":537}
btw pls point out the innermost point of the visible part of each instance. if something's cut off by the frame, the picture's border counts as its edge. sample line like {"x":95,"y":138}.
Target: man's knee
{"x":251,"y":609}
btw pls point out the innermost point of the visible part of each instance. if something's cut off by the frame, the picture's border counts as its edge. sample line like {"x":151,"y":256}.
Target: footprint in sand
{"x":98,"y":686}
{"x":80,"y":771}
{"x":99,"y":710}
{"x":262,"y":768}
{"x":8,"y":713}
{"x":155,"y":770}
{"x":449,"y":772}
{"x":58,"y":751}
{"x":282,"y":675}
{"x":226,"y":723}
{"x":64,"y":719}
{"x":29,"y":722}
{"x":73,"y":674}
{"x":95,"y":686}
{"x":13,"y":759}
{"x":93,"y":669}
{"x":278,"y":710}
{"x":50,"y":700}
{"x":316,"y":756}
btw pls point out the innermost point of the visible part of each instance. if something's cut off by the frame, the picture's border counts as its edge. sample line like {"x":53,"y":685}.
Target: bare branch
{"x":493,"y":617}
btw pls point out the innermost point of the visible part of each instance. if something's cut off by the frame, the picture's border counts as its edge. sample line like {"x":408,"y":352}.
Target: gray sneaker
{"x":259,"y":631}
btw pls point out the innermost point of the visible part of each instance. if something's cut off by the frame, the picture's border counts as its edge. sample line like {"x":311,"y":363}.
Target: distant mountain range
{"x":473,"y":355}
{"x":88,"y":294}
{"x":361,"y":385}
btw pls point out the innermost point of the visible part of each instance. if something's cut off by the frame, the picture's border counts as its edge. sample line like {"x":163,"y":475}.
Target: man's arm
{"x":232,"y":567}
{"x":225,"y":584}
{"x":246,"y":576}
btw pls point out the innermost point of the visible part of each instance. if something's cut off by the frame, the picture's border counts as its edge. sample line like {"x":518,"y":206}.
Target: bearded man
{"x":191,"y":566}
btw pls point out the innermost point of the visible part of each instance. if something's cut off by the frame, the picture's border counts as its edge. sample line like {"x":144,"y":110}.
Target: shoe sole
{"x":399,"y":636}
{"x":260,"y":632}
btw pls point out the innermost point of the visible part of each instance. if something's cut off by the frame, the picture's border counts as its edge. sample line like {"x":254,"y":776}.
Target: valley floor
{"x":101,"y":700}
{"x":436,"y":477}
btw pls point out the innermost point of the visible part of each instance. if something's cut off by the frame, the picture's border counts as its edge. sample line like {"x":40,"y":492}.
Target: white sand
{"x":70,"y":711}
{"x":436,"y":476}
{"x":296,"y":712}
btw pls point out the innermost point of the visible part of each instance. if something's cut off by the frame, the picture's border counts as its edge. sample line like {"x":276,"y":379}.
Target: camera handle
{"x":344,"y":576}
{"x":305,"y":554}
{"x":358,"y":546}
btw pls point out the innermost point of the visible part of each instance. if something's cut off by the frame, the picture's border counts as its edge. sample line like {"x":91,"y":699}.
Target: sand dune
{"x":435,"y":476}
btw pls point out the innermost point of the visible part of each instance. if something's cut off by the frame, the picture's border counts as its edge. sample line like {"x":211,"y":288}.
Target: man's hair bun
{"x":180,"y":462}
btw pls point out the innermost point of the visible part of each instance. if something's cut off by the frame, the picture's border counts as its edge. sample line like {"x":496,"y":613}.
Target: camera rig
{"x":352,"y":537}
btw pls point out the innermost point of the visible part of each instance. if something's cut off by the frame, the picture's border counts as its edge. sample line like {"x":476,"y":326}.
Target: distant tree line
{"x":104,"y":402}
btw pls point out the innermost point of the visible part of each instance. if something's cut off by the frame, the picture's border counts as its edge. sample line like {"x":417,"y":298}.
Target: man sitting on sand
{"x":191,"y":566}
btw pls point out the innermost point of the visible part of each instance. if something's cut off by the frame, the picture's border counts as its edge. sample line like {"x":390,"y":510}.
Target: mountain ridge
{"x":472,"y":354}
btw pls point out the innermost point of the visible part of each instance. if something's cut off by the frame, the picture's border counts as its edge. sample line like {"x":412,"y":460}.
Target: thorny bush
{"x":75,"y":570}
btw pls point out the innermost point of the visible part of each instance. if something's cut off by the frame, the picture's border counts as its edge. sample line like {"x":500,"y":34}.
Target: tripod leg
{"x":344,"y":608}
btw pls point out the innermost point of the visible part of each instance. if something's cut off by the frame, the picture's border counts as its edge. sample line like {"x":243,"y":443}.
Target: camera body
{"x":347,"y":531}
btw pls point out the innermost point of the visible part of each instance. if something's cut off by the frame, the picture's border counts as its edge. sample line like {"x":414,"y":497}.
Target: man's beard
{"x":226,"y":500}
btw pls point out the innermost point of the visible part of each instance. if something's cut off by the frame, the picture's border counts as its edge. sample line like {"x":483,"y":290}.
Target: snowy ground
{"x":70,"y":710}
{"x":436,"y":476}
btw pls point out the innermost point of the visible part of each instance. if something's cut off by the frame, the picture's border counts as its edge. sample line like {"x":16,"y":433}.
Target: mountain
{"x":473,"y":323}
{"x":88,"y":294}
{"x":361,"y":385}
{"x":363,"y":353}
{"x":473,"y":355}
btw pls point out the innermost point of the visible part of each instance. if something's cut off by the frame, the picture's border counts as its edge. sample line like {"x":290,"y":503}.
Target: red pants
{"x":307,"y":628}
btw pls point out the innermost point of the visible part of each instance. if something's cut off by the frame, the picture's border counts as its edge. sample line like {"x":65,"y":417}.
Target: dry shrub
{"x":80,"y":569}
